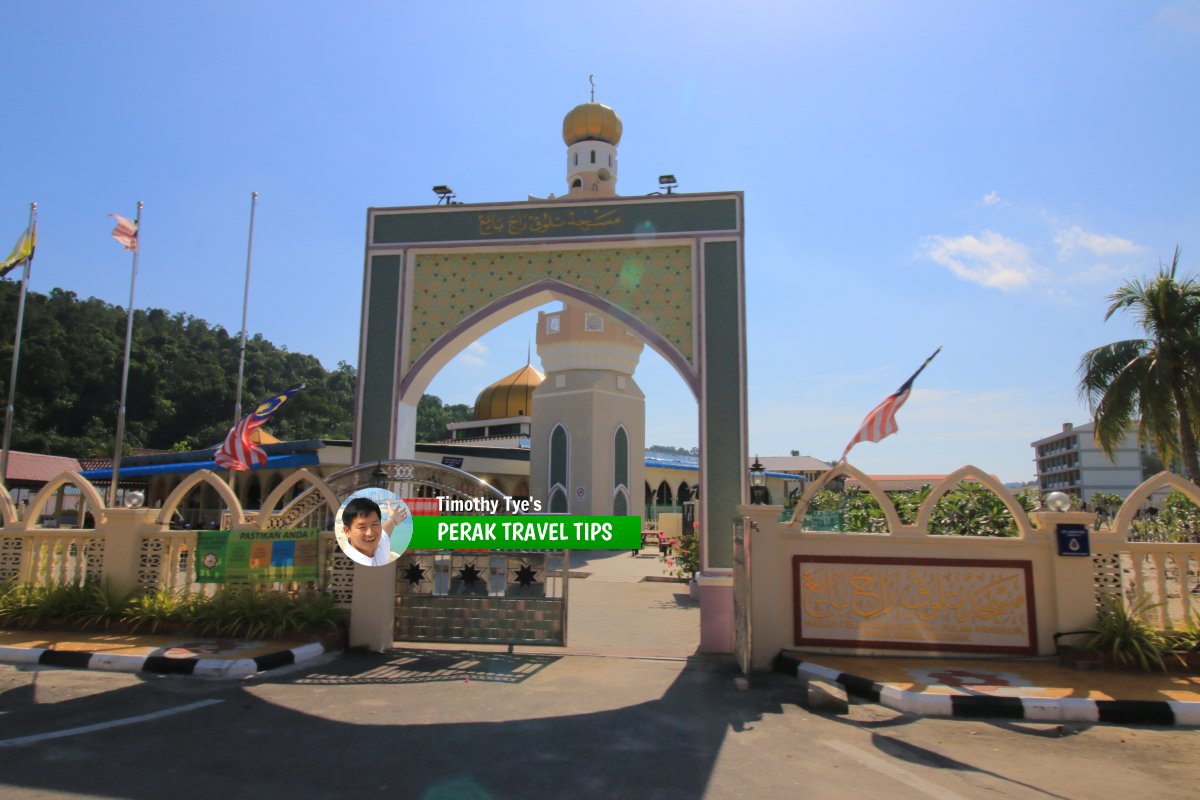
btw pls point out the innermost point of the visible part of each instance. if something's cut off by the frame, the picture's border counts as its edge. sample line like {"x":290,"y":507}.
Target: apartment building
{"x":1071,"y":461}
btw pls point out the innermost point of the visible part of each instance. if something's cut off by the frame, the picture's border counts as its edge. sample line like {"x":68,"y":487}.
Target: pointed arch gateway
{"x":849,"y":471}
{"x":668,"y":267}
{"x":91,"y":499}
{"x":951,"y":481}
{"x":202,"y":476}
{"x":315,"y":485}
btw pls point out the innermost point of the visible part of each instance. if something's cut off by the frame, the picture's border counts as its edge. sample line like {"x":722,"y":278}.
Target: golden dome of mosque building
{"x":511,"y":396}
{"x":591,"y":122}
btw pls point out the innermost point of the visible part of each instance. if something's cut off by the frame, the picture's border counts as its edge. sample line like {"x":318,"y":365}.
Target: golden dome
{"x":591,"y":121}
{"x":511,"y":396}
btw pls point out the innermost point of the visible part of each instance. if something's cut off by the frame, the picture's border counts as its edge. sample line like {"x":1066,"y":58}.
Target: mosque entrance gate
{"x":670,"y":267}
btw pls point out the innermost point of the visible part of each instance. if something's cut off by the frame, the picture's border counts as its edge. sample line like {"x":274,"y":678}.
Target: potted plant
{"x":682,"y":558}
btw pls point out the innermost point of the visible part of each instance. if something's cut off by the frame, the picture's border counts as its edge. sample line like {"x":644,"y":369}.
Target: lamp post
{"x":379,"y":476}
{"x":758,"y":480}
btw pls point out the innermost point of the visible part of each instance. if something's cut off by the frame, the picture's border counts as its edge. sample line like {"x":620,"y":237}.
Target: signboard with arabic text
{"x":940,"y":604}
{"x":617,"y":217}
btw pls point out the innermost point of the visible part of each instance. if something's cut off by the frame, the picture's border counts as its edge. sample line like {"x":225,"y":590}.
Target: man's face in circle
{"x":363,"y":533}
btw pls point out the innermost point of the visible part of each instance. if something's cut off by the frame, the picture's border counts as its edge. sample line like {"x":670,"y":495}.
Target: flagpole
{"x":12,"y":379}
{"x":237,"y":406}
{"x":921,"y":368}
{"x":116,"y":470}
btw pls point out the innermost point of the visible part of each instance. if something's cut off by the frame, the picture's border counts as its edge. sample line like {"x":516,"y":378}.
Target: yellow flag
{"x":22,"y":252}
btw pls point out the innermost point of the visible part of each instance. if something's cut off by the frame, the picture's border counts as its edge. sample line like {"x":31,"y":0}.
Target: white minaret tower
{"x":591,"y":132}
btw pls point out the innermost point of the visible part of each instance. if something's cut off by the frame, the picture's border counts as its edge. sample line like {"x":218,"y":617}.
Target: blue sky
{"x":973,"y":175}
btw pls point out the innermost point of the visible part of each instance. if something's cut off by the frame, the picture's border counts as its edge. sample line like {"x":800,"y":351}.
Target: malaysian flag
{"x":126,"y":232}
{"x":238,"y":452}
{"x":881,"y":422}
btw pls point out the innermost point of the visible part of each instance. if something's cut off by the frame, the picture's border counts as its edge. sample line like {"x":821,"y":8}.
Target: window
{"x":621,"y":459}
{"x":577,"y":159}
{"x":593,"y":323}
{"x":577,"y":184}
{"x":553,"y":324}
{"x":620,"y":504}
{"x":593,"y":156}
{"x":558,"y":470}
{"x":558,"y":501}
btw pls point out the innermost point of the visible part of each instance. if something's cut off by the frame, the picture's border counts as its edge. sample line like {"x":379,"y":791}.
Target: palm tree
{"x":1152,"y":382}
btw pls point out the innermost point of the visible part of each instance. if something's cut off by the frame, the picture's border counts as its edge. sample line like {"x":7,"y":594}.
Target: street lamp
{"x":758,"y":481}
{"x":379,"y":476}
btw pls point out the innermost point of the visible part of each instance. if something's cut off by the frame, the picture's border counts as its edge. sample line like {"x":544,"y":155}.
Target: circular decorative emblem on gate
{"x":373,"y":526}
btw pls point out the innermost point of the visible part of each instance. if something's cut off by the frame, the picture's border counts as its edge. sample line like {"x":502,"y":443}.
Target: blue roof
{"x":273,"y":462}
{"x":663,"y":461}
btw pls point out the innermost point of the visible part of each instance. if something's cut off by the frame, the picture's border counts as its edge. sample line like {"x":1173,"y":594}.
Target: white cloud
{"x":991,"y":260}
{"x":1076,"y":238}
{"x":474,"y":354}
{"x":991,"y":199}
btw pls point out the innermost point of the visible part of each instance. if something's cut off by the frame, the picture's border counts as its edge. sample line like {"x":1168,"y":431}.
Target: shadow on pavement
{"x":430,"y":742}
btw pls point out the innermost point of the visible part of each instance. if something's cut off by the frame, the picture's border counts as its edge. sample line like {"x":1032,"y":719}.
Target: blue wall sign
{"x":1073,"y":540}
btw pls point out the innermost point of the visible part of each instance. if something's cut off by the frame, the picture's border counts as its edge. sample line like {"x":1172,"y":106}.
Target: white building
{"x":1072,"y":461}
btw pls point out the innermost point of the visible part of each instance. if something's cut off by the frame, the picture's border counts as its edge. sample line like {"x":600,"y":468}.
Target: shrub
{"x":1123,"y":633}
{"x":682,"y":556}
{"x":161,"y":606}
{"x":1186,"y":638}
{"x":316,"y":610}
{"x":106,"y":604}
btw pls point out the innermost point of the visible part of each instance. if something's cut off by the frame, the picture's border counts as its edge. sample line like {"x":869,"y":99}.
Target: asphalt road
{"x":444,"y":724}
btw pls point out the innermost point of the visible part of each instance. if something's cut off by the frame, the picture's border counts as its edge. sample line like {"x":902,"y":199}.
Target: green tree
{"x":1154,"y":380}
{"x":182,"y":379}
{"x":433,"y":416}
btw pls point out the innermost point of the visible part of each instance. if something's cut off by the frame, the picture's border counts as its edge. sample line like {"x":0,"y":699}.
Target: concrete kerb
{"x":215,"y":668}
{"x":1033,"y":709}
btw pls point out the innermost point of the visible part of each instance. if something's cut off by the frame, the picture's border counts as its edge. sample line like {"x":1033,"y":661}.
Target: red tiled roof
{"x":37,"y":468}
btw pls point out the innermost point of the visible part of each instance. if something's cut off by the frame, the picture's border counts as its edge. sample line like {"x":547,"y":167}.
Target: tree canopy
{"x":182,"y":379}
{"x":433,"y":416}
{"x":1152,"y":382}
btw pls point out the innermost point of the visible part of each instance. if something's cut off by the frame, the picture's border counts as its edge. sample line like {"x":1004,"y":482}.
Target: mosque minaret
{"x":591,"y":132}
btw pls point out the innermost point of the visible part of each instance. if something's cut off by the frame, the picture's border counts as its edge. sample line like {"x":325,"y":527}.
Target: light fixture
{"x":445,"y":194}
{"x":1057,"y":501}
{"x":667,"y":182}
{"x":758,"y":481}
{"x":379,"y":476}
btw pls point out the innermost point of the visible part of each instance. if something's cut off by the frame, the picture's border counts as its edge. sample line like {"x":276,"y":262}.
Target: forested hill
{"x":182,"y":379}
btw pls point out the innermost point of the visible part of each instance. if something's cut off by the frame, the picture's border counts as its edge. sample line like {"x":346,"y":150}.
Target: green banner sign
{"x":256,"y":556}
{"x":526,"y":533}
{"x":558,"y":220}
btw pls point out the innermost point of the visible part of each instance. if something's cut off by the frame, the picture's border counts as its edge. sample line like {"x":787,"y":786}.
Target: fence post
{"x":1073,"y":576}
{"x":122,"y":533}
{"x":373,"y":607}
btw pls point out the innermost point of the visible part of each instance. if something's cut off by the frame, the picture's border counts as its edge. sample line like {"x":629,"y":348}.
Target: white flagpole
{"x":237,"y":406}
{"x":116,"y":470}
{"x":12,"y":380}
